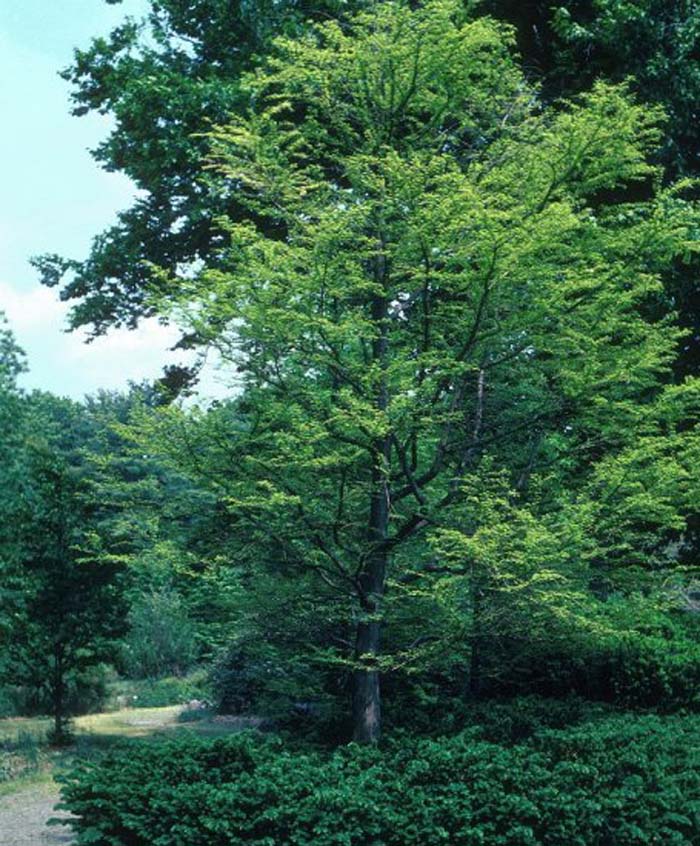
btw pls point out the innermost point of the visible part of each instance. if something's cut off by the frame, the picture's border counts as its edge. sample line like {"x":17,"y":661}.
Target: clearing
{"x":27,"y":803}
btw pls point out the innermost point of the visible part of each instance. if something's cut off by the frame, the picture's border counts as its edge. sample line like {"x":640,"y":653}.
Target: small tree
{"x":70,"y":608}
{"x":162,"y":638}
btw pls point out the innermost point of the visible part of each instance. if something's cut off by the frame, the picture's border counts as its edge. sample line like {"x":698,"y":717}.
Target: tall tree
{"x":12,"y":364}
{"x":164,"y":81}
{"x":433,"y":267}
{"x":652,"y":44}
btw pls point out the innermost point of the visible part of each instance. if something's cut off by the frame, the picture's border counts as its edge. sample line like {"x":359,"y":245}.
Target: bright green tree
{"x":427,"y":274}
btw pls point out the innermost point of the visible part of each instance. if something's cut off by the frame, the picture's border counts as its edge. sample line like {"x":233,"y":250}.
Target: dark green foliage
{"x":164,"y":83}
{"x":85,"y":692}
{"x":239,"y":681}
{"x":653,"y":44}
{"x":68,"y":607}
{"x":620,"y":780}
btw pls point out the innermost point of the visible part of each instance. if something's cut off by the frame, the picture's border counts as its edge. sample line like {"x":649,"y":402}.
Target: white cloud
{"x":65,"y":364}
{"x":31,"y":311}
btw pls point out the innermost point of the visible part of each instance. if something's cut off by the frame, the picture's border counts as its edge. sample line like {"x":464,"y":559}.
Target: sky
{"x":55,"y":199}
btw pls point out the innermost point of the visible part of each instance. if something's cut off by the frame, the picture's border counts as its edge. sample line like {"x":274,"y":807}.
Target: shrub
{"x":159,"y":693}
{"x":19,"y":757}
{"x":618,"y":781}
{"x":161,"y":639}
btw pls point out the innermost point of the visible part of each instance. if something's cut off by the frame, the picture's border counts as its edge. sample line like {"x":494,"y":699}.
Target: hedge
{"x":618,"y":781}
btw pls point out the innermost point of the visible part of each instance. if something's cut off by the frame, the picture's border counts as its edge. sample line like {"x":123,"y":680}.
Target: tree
{"x":164,"y":81}
{"x":69,"y":611}
{"x":652,"y":44}
{"x":12,"y":364}
{"x":434,"y":267}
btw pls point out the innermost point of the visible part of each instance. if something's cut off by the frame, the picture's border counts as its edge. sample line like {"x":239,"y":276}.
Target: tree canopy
{"x":435,"y":271}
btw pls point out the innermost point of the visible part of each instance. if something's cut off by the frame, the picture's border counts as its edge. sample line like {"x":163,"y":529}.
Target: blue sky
{"x":55,"y":198}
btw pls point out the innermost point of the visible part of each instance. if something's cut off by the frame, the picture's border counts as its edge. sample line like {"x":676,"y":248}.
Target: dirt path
{"x":23,"y":817}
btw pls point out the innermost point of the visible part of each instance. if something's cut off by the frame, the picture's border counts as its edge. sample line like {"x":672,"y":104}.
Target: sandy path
{"x":23,"y":817}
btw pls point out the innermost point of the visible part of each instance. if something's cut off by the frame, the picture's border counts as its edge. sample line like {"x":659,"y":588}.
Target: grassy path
{"x":27,"y":804}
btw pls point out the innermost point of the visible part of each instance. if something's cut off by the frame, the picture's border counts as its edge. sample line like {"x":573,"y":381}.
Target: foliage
{"x":159,"y":693}
{"x":161,"y":637}
{"x":437,"y":279}
{"x":624,"y":780}
{"x":19,"y":758}
{"x":623,"y":39}
{"x":85,"y":692}
{"x":67,"y":607}
{"x":164,"y":81}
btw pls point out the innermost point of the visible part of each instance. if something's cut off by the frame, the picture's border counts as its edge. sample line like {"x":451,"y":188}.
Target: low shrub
{"x":10,"y":701}
{"x":617,"y":781}
{"x":159,"y":693}
{"x":19,"y":757}
{"x":440,"y":712}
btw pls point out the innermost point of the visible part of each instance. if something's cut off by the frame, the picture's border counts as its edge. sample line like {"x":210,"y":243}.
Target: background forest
{"x":447,"y":254}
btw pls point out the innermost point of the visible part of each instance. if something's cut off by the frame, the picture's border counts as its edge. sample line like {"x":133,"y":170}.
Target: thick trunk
{"x":366,"y":701}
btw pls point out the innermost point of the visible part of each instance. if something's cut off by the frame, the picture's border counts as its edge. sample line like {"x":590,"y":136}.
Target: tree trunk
{"x":366,"y":694}
{"x":59,"y":718}
{"x":366,"y":701}
{"x":477,"y":603}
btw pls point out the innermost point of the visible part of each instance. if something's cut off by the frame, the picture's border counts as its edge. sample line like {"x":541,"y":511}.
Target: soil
{"x":24,"y":816}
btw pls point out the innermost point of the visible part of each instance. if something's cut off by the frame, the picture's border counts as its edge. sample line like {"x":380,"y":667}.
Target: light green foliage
{"x":434,"y":269}
{"x":634,"y":38}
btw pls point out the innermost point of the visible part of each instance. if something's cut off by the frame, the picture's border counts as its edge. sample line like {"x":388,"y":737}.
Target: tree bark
{"x":366,"y":705}
{"x":475,"y":668}
{"x":59,"y":718}
{"x":366,"y":700}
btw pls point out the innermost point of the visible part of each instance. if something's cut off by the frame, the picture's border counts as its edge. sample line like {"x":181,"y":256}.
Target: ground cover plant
{"x":622,"y":779}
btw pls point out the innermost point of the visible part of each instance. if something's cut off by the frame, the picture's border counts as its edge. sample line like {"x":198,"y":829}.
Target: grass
{"x":23,"y":739}
{"x":42,"y":776}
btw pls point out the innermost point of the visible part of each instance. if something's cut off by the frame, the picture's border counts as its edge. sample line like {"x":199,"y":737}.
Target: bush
{"x":10,"y":700}
{"x":618,"y":781}
{"x":161,"y":639}
{"x":159,"y":693}
{"x":20,"y":757}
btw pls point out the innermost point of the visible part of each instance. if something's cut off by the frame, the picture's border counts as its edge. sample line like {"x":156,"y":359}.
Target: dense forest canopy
{"x":447,"y":254}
